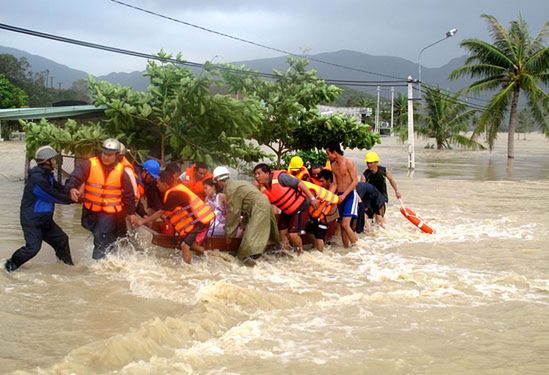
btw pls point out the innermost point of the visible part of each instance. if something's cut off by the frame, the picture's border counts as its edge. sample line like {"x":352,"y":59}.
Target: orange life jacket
{"x":183,"y":219}
{"x":100,"y":193}
{"x":326,"y":199}
{"x":196,"y":187}
{"x":302,"y":174}
{"x":286,"y":198}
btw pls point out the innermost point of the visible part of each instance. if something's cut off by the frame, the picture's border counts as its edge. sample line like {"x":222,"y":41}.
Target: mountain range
{"x":389,"y":66}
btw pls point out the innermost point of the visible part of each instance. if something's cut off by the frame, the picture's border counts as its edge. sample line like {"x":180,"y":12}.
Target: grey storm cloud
{"x":396,"y":28}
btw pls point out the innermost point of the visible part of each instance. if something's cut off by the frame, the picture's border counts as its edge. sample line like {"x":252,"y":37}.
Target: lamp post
{"x":449,"y":34}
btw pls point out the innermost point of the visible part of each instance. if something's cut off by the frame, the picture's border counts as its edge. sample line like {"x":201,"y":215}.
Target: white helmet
{"x":44,"y":154}
{"x":221,"y":173}
{"x":122,"y":149}
{"x":111,"y":145}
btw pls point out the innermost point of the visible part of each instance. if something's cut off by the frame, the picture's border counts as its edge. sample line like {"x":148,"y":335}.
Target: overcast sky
{"x":378,"y":27}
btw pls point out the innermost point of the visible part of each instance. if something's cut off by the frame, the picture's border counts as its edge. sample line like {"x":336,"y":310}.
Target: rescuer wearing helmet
{"x":37,"y":205}
{"x":261,"y":226}
{"x":375,"y":174}
{"x":150,"y":197}
{"x":107,"y":198}
{"x":297,"y":169}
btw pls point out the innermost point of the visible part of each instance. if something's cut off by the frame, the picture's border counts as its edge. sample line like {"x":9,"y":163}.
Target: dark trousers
{"x":360,"y":220}
{"x":106,"y":229}
{"x":49,"y":232}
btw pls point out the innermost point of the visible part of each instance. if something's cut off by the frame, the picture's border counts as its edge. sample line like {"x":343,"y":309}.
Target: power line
{"x":126,"y":51}
{"x":452,"y":94}
{"x":175,"y":61}
{"x":253,"y":43}
{"x":455,"y":100}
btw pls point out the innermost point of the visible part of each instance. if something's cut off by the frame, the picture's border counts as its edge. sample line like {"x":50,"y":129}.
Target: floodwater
{"x":471,"y":299}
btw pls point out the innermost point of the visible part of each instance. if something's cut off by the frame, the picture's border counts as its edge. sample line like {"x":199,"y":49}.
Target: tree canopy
{"x":291,"y":120}
{"x":177,"y":117}
{"x":513,"y":63}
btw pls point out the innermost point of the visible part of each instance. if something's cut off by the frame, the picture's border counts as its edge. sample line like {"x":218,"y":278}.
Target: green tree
{"x":525,"y":123}
{"x":16,"y":70}
{"x":291,"y":120}
{"x":446,"y":118}
{"x":11,"y":96}
{"x":512,"y":64}
{"x":72,"y":138}
{"x":178,"y":117}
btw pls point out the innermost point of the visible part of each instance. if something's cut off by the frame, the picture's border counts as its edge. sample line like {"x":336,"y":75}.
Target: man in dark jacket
{"x":37,"y":205}
{"x":106,"y":192}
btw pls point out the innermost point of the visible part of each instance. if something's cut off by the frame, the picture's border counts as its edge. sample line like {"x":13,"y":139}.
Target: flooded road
{"x":473,"y":298}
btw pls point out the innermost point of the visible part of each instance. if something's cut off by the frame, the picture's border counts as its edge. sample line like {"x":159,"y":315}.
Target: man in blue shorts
{"x":346,"y":179}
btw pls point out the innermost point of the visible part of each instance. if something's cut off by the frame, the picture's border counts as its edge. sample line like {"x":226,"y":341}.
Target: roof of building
{"x":48,"y":112}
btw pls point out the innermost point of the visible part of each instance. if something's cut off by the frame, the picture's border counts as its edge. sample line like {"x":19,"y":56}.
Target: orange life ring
{"x":417,"y":221}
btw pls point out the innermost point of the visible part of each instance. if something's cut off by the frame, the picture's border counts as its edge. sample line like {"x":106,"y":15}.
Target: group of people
{"x":278,"y":208}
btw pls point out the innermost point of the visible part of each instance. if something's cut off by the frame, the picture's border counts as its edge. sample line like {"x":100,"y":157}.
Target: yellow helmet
{"x":295,"y":163}
{"x":371,"y":157}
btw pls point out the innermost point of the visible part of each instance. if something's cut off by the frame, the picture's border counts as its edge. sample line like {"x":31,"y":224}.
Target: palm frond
{"x":493,"y":117}
{"x":489,"y":83}
{"x":538,"y":62}
{"x":500,"y":36}
{"x":486,"y":53}
{"x":466,"y":142}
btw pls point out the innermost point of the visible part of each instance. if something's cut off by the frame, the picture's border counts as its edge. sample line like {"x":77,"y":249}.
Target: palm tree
{"x":512,"y":63}
{"x":446,"y":117}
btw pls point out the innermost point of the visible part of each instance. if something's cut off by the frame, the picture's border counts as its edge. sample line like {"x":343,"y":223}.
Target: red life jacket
{"x":286,"y":198}
{"x":326,"y":199}
{"x":196,"y":187}
{"x":100,"y":193}
{"x":183,"y":219}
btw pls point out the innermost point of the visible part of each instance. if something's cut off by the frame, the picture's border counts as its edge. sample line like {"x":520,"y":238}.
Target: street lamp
{"x":449,"y":34}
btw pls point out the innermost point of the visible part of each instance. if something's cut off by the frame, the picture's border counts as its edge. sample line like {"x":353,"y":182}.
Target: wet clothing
{"x":40,"y":195}
{"x":318,"y":228}
{"x":372,"y":201}
{"x":151,"y":195}
{"x":217,"y":226}
{"x":371,"y":197}
{"x":378,"y":180}
{"x":296,"y":221}
{"x":105,"y":227}
{"x":349,"y":206}
{"x":187,"y":213}
{"x":261,"y":227}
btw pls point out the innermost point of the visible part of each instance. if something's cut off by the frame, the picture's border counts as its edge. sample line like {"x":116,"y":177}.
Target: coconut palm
{"x":512,"y":64}
{"x":445,"y":119}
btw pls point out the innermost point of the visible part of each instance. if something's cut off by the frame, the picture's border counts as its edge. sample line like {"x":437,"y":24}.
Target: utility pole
{"x":411,"y":151}
{"x":377,"y":110}
{"x":51,"y":81}
{"x":392,"y":108}
{"x":59,"y":83}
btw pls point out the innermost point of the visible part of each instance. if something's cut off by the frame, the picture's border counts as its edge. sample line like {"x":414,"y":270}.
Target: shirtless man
{"x":346,"y":179}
